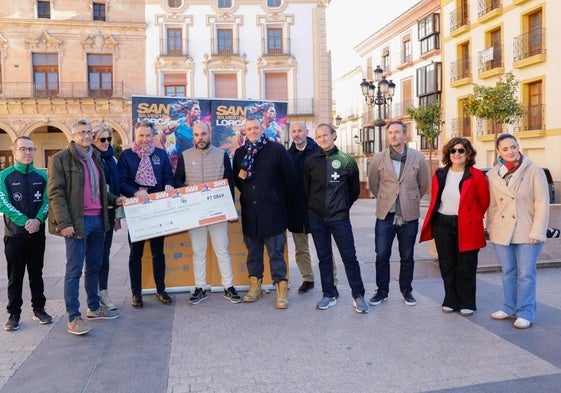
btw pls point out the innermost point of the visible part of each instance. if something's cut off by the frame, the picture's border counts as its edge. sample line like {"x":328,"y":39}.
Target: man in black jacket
{"x":331,"y":183}
{"x":265,"y":175}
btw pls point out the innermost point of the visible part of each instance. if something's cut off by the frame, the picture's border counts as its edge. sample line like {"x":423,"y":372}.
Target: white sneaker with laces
{"x":105,"y":300}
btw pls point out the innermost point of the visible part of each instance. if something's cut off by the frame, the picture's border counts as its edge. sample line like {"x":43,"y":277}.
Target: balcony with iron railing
{"x":400,"y":108}
{"x":485,"y":127}
{"x":174,"y":48}
{"x":459,"y":18}
{"x":276,"y":47}
{"x":485,"y":7}
{"x":301,"y":106}
{"x":460,"y":69}
{"x":490,"y":59}
{"x":460,"y":126}
{"x":225,"y":47}
{"x":529,"y":44}
{"x":532,"y":120}
{"x":60,"y":90}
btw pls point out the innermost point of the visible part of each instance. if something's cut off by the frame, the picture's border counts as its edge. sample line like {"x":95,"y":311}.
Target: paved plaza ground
{"x":221,"y":347}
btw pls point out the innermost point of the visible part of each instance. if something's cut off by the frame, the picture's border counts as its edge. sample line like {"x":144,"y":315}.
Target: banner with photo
{"x":174,"y":118}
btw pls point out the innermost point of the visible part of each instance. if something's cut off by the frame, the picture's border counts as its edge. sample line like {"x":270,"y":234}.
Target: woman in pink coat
{"x":459,"y":199}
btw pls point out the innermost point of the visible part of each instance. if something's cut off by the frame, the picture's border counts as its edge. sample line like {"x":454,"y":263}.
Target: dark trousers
{"x":104,"y":271}
{"x":385,"y":232}
{"x":343,"y":234}
{"x":275,"y":250}
{"x":21,"y":253}
{"x":158,"y":264}
{"x":458,"y":269}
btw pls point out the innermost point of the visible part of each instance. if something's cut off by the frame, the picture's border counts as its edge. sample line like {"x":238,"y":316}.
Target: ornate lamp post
{"x":338,"y":121}
{"x":378,"y":95}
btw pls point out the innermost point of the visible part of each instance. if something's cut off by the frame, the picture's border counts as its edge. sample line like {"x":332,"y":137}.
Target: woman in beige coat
{"x":518,"y":215}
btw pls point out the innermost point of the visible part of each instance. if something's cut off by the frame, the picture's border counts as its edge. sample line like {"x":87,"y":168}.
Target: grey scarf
{"x":90,"y":167}
{"x":395,"y":156}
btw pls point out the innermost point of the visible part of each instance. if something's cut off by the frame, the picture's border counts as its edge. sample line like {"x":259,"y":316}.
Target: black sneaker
{"x":12,"y":324}
{"x":306,"y":286}
{"x":232,"y":295}
{"x":409,"y":299}
{"x":199,"y":295}
{"x":42,"y":316}
{"x":378,"y":298}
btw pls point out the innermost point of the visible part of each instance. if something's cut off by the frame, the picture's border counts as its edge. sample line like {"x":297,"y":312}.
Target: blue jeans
{"x":342,"y":232}
{"x":518,"y":262}
{"x":88,"y":248}
{"x":385,"y":232}
{"x":275,"y":250}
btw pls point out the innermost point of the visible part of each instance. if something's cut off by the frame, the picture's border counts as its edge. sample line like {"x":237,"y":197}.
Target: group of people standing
{"x":308,"y":188}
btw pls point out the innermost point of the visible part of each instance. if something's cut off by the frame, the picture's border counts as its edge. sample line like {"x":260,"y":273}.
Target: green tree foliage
{"x":429,"y":121}
{"x":498,"y":103}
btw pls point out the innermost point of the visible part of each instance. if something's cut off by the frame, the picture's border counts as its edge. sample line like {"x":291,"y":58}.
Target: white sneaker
{"x":466,"y":312}
{"x":501,"y":315}
{"x":105,"y":301}
{"x":522,"y":323}
{"x":447,"y":310}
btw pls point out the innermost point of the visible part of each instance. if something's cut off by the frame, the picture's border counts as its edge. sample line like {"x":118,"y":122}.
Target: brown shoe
{"x":306,"y":286}
{"x":254,"y":291}
{"x":282,"y":295}
{"x":136,"y":301}
{"x":164,"y":297}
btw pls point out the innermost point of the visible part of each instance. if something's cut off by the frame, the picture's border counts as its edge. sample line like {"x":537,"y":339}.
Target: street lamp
{"x":378,"y":95}
{"x":338,"y":121}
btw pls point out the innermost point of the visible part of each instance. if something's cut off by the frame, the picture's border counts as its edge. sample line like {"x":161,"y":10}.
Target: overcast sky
{"x":349,"y":22}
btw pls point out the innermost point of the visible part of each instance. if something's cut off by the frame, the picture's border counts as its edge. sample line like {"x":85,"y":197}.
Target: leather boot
{"x":254,"y":291}
{"x":282,"y":295}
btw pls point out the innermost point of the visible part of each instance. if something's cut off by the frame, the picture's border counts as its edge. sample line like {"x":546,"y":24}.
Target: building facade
{"x":62,"y":60}
{"x":242,"y":49}
{"x":486,"y":39}
{"x":407,"y":50}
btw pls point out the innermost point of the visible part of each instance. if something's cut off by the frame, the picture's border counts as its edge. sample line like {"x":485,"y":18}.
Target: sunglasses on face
{"x":460,"y":150}
{"x":108,"y":139}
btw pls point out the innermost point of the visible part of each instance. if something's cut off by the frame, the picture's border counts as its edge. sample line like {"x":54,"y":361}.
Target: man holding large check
{"x":213,"y":206}
{"x":145,"y":169}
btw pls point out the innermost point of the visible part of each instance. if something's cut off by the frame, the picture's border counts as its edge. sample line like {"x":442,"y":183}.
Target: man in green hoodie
{"x":23,"y":201}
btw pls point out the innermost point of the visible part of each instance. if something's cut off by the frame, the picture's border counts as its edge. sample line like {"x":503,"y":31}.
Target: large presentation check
{"x":184,"y":208}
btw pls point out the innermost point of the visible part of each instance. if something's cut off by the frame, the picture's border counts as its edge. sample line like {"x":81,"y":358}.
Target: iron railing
{"x":174,"y":47}
{"x":529,"y":44}
{"x":486,"y":6}
{"x":461,"y":126}
{"x":460,"y":69}
{"x":301,"y":106}
{"x":459,"y":17}
{"x":60,"y":90}
{"x":490,"y":60}
{"x":276,"y":47}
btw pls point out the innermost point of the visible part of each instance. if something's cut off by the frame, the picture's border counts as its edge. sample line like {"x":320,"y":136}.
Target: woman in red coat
{"x":459,"y":199}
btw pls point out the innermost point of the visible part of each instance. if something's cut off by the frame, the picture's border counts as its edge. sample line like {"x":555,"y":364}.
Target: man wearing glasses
{"x":398,"y":177}
{"x":78,"y":204}
{"x":23,"y":201}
